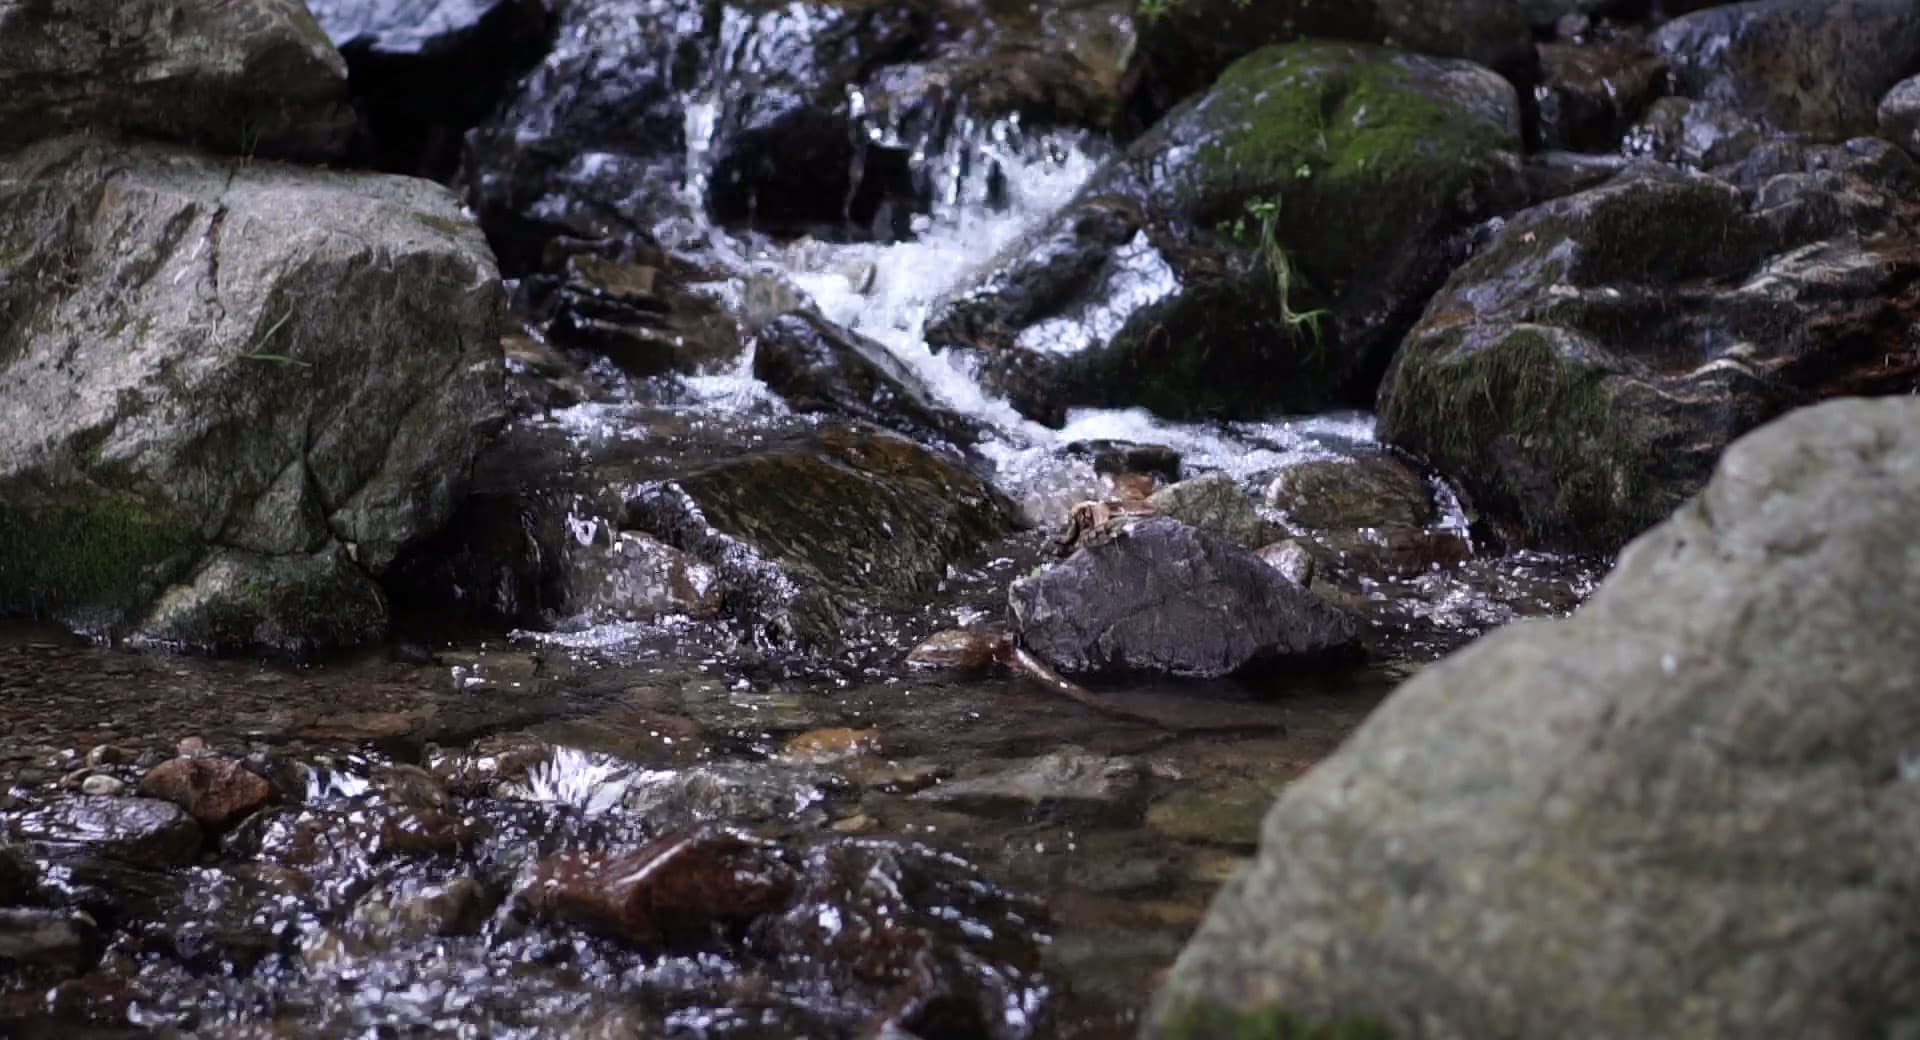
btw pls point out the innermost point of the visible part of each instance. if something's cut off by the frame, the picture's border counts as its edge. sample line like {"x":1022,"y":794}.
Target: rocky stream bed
{"x":722,"y":518}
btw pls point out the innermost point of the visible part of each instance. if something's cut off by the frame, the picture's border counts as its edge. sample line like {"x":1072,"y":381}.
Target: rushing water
{"x":964,"y":856}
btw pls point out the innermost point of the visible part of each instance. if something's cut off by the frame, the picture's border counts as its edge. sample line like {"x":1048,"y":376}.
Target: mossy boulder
{"x":1260,"y":250}
{"x":216,"y":359}
{"x":1581,"y":375}
{"x":1185,"y":44}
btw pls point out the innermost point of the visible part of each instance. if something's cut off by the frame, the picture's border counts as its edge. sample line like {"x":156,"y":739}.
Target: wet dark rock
{"x":1899,"y":115}
{"x":813,"y":531}
{"x":1818,"y":69}
{"x":788,"y":155}
{"x":1474,"y":860}
{"x":1216,"y":504}
{"x":247,"y":389}
{"x":1695,"y":133}
{"x":141,"y":831}
{"x":1553,"y":174}
{"x":243,"y":77}
{"x":592,"y":142}
{"x":946,"y":950}
{"x":1071,"y":782}
{"x":1187,"y":44}
{"x":424,"y":71}
{"x":743,"y":793}
{"x":1054,"y":65}
{"x":42,"y":942}
{"x":218,"y":792}
{"x":1375,"y":489}
{"x":851,"y":518}
{"x":1592,"y":90}
{"x":638,"y":312}
{"x":678,"y":891}
{"x":1580,"y":376}
{"x":1317,"y":166}
{"x":1158,"y":596}
{"x":818,"y":367}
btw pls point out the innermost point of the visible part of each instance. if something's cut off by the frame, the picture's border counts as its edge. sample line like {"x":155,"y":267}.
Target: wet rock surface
{"x":797,"y":530}
{"x":1581,"y":375}
{"x":1158,"y":596}
{"x":142,"y":831}
{"x":424,"y":71}
{"x":1815,"y":69}
{"x":254,"y":77}
{"x":1476,"y":860}
{"x":1237,"y":281}
{"x":249,"y":389}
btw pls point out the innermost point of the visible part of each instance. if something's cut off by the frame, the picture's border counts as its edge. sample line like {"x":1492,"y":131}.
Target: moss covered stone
{"x":1321,"y":179}
{"x":100,"y":555}
{"x":1581,"y":374}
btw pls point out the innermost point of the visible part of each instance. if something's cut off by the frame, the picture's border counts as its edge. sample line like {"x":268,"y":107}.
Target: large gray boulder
{"x":235,"y":390}
{"x":1159,"y":596}
{"x":1693,"y":809}
{"x":247,"y":77}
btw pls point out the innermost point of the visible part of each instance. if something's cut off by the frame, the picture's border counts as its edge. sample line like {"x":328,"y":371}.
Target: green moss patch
{"x":1530,"y":428}
{"x":105,"y":554}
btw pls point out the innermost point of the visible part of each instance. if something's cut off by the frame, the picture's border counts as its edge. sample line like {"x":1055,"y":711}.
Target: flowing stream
{"x":970,"y":856}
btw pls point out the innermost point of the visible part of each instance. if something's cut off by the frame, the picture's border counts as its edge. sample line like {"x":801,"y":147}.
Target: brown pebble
{"x":215,"y":791}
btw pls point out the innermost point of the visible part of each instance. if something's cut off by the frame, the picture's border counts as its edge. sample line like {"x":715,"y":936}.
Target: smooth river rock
{"x":1156,"y":595}
{"x":1691,"y":810}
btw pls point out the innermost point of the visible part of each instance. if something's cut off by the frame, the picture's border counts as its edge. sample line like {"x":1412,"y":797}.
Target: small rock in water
{"x":1072,"y":780}
{"x":1160,"y":596}
{"x":141,"y":831}
{"x":958,"y":649}
{"x":830,"y":745}
{"x":1375,"y":490}
{"x":1291,"y":559}
{"x":218,"y":792}
{"x":392,"y":914}
{"x":1214,"y":504}
{"x":107,"y":755}
{"x":677,"y":888}
{"x":102,"y":784}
